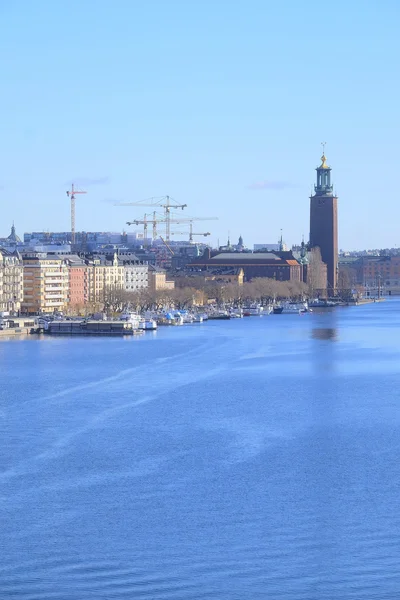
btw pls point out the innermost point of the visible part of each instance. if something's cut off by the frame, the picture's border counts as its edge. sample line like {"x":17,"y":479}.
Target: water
{"x":254,"y":458}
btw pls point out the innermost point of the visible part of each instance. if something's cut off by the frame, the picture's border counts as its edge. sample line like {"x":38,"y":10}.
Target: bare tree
{"x":115,"y":298}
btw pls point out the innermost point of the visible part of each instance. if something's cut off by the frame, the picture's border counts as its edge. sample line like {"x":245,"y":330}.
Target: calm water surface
{"x":248,"y":459}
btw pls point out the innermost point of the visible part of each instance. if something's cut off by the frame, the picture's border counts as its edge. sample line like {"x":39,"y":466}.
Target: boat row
{"x":134,"y":323}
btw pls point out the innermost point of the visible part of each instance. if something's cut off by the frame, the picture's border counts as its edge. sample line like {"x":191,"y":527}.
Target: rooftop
{"x":245,"y":256}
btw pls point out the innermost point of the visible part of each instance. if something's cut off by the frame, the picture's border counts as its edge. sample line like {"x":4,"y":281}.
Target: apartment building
{"x":77,"y":269}
{"x":158,"y":279}
{"x":101,"y":275}
{"x":136,"y":271}
{"x":11,"y":280}
{"x":45,"y":282}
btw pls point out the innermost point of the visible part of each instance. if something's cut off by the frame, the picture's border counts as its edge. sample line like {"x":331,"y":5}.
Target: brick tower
{"x":323,"y":223}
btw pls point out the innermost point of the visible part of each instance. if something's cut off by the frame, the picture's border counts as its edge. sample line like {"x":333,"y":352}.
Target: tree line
{"x":114,"y":299}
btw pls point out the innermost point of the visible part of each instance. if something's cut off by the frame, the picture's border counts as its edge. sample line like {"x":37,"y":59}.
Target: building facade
{"x":11,"y":281}
{"x":375,"y":274}
{"x":324,"y":223}
{"x":281,"y":266}
{"x":102,"y":275}
{"x":158,"y":280}
{"x":136,"y":272}
{"x":77,"y":282}
{"x":46,"y":283}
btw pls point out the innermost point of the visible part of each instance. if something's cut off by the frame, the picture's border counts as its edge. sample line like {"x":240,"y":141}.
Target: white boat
{"x":173,"y":318}
{"x":236,"y":313}
{"x":187,"y":318}
{"x":132,"y":318}
{"x":198,"y":318}
{"x":291,"y":308}
{"x":148,"y":325}
{"x":254,"y":310}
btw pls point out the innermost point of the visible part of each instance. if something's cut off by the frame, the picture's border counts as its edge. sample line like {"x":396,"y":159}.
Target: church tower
{"x":323,"y":223}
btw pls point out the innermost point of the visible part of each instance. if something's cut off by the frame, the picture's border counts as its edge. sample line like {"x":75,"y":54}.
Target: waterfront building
{"x":11,"y":280}
{"x":77,"y":282}
{"x":373,"y":273}
{"x":281,"y":266}
{"x":45,"y":283}
{"x":103,"y":274}
{"x":136,"y":271}
{"x":324,"y":224}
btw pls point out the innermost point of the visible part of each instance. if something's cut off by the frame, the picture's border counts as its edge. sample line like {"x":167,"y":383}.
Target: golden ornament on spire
{"x":323,"y":164}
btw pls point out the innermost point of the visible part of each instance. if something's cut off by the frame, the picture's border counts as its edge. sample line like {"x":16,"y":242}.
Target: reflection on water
{"x":325,"y":333}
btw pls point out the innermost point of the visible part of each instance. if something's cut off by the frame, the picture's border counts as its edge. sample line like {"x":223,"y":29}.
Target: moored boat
{"x":320,"y":303}
{"x":148,"y":325}
{"x":291,"y":308}
{"x":236,"y":313}
{"x":219,"y":315}
{"x":254,"y":310}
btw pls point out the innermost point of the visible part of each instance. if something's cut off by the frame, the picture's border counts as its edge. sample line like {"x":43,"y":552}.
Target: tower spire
{"x":323,"y":186}
{"x":281,"y":242}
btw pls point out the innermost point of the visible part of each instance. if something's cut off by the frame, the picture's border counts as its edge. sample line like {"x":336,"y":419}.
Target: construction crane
{"x":174,"y":220}
{"x":71,"y":194}
{"x":165,"y":205}
{"x":167,"y":246}
{"x":145,"y":222}
{"x":191,"y":233}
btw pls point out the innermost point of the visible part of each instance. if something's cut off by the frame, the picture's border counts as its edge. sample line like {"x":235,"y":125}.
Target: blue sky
{"x":220,"y":104}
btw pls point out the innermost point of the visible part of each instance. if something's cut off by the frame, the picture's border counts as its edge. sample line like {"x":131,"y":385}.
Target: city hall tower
{"x":323,"y":223}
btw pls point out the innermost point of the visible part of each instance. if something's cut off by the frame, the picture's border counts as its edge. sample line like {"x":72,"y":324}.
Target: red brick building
{"x":281,"y":266}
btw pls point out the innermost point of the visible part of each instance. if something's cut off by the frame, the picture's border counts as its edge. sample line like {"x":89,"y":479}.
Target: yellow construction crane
{"x":167,"y":246}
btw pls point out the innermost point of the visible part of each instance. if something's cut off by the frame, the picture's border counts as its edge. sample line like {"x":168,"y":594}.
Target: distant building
{"x":11,"y":280}
{"x":225,"y":275}
{"x":373,"y":273}
{"x":12,"y":241}
{"x":266,"y":247}
{"x":184,"y":254}
{"x":158,"y":279}
{"x":324,"y":223}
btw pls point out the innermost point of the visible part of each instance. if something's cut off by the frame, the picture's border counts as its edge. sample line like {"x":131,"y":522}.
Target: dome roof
{"x":13,"y":236}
